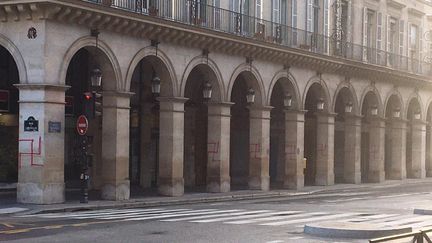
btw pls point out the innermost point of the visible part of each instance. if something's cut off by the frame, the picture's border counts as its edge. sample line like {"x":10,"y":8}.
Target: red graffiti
{"x":255,"y":151}
{"x":213,"y":150}
{"x":32,"y":154}
{"x":322,"y":149}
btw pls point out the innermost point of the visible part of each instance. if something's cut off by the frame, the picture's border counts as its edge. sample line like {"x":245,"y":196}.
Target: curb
{"x":423,"y":211}
{"x":170,"y":202}
{"x":351,"y":230}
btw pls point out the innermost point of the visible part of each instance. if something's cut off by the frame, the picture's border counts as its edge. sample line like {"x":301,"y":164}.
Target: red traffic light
{"x":88,"y":95}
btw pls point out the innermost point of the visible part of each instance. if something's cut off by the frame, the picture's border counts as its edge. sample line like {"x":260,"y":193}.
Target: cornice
{"x":396,"y":4}
{"x":138,"y":25}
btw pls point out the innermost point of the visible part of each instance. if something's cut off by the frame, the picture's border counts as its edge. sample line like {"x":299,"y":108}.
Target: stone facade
{"x":360,"y":96}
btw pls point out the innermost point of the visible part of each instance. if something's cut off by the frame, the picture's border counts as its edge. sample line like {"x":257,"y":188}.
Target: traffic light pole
{"x":84,"y":177}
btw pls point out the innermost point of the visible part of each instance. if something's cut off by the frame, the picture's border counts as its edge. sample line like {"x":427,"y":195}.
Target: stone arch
{"x":374,"y":90}
{"x":318,"y":80}
{"x":258,"y":82}
{"x":428,"y":106}
{"x":287,"y":75}
{"x":394,"y":93}
{"x":213,"y":67}
{"x":16,"y":55}
{"x":89,"y":41}
{"x":353,"y":93}
{"x":161,"y":56}
{"x":413,"y":96}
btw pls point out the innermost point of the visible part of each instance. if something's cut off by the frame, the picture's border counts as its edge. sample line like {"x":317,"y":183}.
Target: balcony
{"x":244,"y":26}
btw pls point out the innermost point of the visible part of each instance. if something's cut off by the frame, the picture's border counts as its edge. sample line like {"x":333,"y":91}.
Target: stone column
{"x":429,"y":154}
{"x":397,"y":167}
{"x":171,"y":182}
{"x":259,"y":146}
{"x":352,"y":170}
{"x":218,"y":147}
{"x":41,"y":150}
{"x":418,"y":154}
{"x":376,"y":149}
{"x":325,"y":149}
{"x":294,"y":149}
{"x":147,"y":164}
{"x":115,"y":145}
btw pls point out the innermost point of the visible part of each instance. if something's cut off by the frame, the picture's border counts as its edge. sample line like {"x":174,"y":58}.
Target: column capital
{"x":295,"y":111}
{"x":419,"y":122}
{"x":221,"y":104}
{"x":325,"y":114}
{"x":53,"y":87}
{"x":115,"y":93}
{"x":260,"y":108}
{"x":172,"y":99}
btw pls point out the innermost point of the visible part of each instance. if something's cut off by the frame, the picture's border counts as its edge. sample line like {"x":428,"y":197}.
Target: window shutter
{"x":349,"y":22}
{"x":309,"y":11}
{"x":379,"y":37}
{"x":389,"y":34}
{"x":326,"y":25}
{"x":294,"y":21}
{"x":420,"y":47}
{"x":365,"y":37}
{"x":401,"y":37}
{"x":409,"y":39}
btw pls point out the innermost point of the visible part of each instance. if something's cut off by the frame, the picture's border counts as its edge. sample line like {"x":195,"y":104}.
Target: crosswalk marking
{"x":334,"y":216}
{"x":95,"y":213}
{"x":232,"y":213}
{"x":243,"y":217}
{"x":274,"y":218}
{"x":277,"y":218}
{"x":141,"y":215}
{"x":170,"y":216}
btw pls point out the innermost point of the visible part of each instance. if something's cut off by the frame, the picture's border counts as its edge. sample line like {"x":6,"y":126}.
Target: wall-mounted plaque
{"x":54,"y":127}
{"x":31,"y":125}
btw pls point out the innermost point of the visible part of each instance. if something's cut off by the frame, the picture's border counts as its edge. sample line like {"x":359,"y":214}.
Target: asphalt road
{"x":263,"y":220}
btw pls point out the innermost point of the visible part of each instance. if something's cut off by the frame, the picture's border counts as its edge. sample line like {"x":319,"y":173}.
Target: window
{"x":413,"y":37}
{"x":276,"y":13}
{"x":258,"y":13}
{"x":393,"y":35}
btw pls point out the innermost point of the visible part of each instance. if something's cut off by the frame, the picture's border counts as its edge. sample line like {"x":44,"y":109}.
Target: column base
{"x":294,"y":182}
{"x":429,"y":173}
{"x":217,"y":184}
{"x":396,"y":175}
{"x":376,"y":176}
{"x":417,"y":174}
{"x":172,"y":187}
{"x":116,"y":191}
{"x":324,"y":180}
{"x":41,"y":193}
{"x":259,"y":183}
{"x":352,"y":177}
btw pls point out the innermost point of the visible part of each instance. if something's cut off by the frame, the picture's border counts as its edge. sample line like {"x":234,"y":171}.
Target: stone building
{"x":344,"y":84}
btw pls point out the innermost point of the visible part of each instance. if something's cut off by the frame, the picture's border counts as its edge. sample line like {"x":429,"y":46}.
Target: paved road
{"x":262,"y":220}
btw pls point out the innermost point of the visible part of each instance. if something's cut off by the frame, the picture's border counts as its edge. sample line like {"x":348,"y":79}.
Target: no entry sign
{"x":82,"y":125}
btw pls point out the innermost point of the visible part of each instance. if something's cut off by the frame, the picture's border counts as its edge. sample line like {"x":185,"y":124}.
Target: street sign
{"x":82,"y":125}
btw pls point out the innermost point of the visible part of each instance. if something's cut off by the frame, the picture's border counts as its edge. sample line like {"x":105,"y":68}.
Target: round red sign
{"x":82,"y":125}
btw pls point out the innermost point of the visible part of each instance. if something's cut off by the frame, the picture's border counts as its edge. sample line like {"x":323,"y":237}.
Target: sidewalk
{"x":8,"y":204}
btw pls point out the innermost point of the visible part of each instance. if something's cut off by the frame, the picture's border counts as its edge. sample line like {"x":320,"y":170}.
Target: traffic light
{"x":88,"y":105}
{"x":97,"y":104}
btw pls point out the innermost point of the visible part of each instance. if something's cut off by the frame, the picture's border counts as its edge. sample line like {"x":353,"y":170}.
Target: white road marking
{"x":319,"y":218}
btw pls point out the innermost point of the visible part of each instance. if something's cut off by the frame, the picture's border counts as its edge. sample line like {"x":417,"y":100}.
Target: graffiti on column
{"x":213,"y":150}
{"x":255,"y":151}
{"x":291,"y":151}
{"x":32,"y":152}
{"x":322,"y":149}
{"x":375,"y":152}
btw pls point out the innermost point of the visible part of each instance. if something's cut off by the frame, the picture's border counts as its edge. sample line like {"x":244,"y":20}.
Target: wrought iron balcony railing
{"x":205,"y":16}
